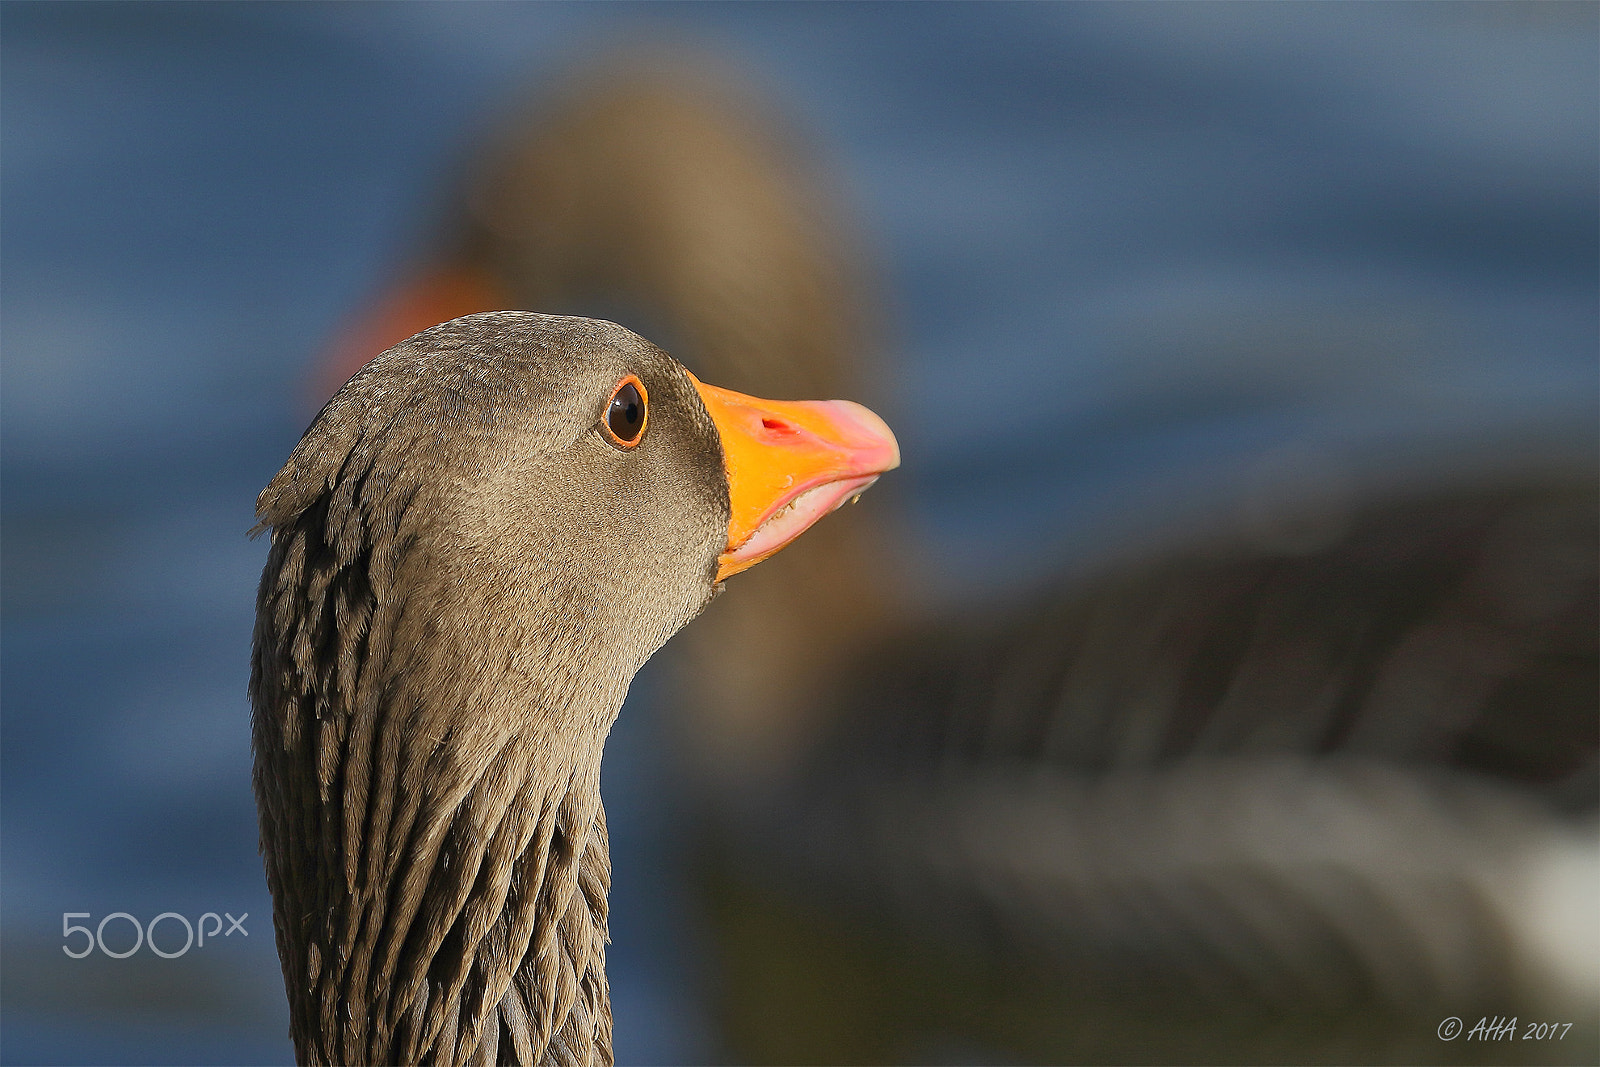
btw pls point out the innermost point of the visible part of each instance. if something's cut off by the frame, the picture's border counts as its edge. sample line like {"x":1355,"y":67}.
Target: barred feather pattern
{"x":436,"y":899}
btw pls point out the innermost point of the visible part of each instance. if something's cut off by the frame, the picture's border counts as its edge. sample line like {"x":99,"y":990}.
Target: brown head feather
{"x":464,"y":576}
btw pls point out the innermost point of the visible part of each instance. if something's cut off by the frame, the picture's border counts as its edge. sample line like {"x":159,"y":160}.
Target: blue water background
{"x":1140,"y":258}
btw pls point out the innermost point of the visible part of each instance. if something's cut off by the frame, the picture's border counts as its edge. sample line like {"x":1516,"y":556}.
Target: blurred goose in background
{"x":654,"y":188}
{"x":1292,"y":792}
{"x":1224,"y":805}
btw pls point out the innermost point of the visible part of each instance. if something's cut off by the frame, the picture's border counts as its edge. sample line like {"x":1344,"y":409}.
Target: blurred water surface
{"x":1145,"y":262}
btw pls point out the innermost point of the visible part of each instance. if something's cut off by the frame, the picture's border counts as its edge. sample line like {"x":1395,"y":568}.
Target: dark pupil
{"x":626,"y":416}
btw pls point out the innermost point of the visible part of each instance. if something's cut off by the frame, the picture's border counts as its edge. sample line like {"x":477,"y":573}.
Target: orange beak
{"x":429,"y":297}
{"x":790,"y":463}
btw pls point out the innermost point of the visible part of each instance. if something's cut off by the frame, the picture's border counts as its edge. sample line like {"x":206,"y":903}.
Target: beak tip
{"x":873,"y":434}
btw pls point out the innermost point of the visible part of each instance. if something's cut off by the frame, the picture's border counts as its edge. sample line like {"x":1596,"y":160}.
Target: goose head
{"x":475,"y":545}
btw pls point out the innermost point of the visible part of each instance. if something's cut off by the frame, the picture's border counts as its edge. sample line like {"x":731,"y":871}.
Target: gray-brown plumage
{"x":1223,"y":804}
{"x":1233,"y":799}
{"x":656,"y":186}
{"x":464,"y":576}
{"x":661,"y":181}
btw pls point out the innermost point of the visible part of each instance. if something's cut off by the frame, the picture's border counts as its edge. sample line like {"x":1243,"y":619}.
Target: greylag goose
{"x":475,"y":545}
{"x":1219,"y":805}
{"x":656,"y":187}
{"x":1229,"y":801}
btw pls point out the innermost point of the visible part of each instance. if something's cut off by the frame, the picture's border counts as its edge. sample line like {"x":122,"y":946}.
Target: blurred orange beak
{"x":428,"y":298}
{"x":790,"y":463}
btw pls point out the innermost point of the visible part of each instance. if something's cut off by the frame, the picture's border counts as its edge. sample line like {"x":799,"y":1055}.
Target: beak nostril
{"x":776,"y":426}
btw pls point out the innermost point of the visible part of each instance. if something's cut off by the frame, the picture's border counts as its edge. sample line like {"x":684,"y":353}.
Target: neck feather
{"x":430,"y":823}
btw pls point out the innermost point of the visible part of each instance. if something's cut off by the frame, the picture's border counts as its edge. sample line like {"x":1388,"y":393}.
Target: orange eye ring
{"x":626,"y":414}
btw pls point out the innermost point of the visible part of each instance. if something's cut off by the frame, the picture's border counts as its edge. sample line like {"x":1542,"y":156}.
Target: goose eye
{"x":626,"y":413}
